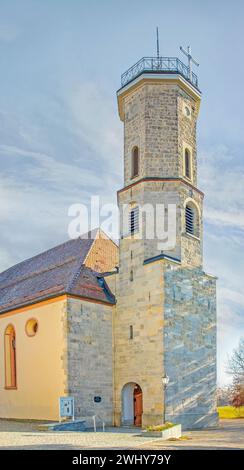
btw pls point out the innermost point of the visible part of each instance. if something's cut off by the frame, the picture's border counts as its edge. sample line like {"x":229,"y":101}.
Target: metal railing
{"x":95,"y":419}
{"x":157,"y":65}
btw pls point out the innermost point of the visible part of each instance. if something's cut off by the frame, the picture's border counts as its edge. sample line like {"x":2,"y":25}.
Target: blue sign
{"x":66,"y":407}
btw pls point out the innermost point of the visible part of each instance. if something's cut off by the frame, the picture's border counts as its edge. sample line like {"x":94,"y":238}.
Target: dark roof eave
{"x":93,"y":299}
{"x":162,"y":256}
{"x":56,"y":295}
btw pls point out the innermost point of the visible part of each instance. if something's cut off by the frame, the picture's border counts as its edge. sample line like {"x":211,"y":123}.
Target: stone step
{"x":77,"y":425}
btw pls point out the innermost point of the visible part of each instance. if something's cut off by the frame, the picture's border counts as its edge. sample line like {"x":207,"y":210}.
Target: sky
{"x":61,"y":139}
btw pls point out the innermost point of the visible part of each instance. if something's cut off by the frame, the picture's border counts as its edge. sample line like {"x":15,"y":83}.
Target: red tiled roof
{"x":58,"y":271}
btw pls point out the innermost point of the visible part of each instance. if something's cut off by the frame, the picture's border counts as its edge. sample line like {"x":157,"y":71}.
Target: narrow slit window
{"x":135,"y":162}
{"x":131,"y":332}
{"x":187,"y":164}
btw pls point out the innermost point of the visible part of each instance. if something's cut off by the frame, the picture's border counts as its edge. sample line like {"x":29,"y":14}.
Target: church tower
{"x":165,"y":317}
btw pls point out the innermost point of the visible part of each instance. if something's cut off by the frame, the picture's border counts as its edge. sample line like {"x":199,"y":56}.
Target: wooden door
{"x":138,"y":406}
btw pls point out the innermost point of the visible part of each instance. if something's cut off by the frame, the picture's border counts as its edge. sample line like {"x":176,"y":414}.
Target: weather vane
{"x":190,"y":60}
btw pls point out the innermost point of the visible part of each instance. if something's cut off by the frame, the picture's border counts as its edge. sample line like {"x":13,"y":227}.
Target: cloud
{"x":95,"y":120}
{"x":221,"y":177}
{"x":220,"y":217}
{"x":40,"y":180}
{"x":36,"y":191}
{"x":233,"y":296}
{"x":45,"y":169}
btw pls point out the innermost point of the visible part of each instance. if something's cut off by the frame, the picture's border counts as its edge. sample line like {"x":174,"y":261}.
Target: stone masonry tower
{"x":165,"y":317}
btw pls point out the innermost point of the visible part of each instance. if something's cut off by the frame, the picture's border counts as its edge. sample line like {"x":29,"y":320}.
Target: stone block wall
{"x":152,"y":193}
{"x":89,"y":358}
{"x":155,"y":121}
{"x":191,"y":247}
{"x":190,"y":347}
{"x":138,"y":360}
{"x":187,"y":130}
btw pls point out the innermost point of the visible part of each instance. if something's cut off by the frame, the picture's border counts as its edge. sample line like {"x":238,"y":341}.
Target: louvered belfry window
{"x":190,"y":222}
{"x":134,"y":220}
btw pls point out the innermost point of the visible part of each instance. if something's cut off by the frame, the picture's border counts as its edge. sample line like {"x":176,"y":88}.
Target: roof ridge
{"x":78,"y":272}
{"x":38,"y":254}
{"x":108,"y":237}
{"x":97,"y":231}
{"x":81,"y":238}
{"x":104,"y":286}
{"x":75,"y":276}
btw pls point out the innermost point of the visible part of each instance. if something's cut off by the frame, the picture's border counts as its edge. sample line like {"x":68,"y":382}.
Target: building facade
{"x":124,"y":325}
{"x":165,"y":314}
{"x":56,"y":331}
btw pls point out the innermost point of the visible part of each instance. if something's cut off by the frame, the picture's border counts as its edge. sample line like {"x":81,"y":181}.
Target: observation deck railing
{"x":159,"y":65}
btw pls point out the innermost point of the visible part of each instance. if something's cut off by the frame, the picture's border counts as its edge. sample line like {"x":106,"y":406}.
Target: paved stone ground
{"x":229,"y":435}
{"x":22,"y":435}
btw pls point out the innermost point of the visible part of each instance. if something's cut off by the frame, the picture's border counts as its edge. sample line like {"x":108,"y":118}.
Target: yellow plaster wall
{"x":41,"y":375}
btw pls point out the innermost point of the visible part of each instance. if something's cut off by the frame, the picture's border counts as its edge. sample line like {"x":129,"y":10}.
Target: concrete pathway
{"x":23,"y":435}
{"x":229,"y":435}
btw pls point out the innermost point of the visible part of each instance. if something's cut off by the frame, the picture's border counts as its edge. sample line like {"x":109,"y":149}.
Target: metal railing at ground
{"x":97,"y":418}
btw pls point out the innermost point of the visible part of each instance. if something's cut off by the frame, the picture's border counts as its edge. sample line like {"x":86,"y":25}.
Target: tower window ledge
{"x":132,"y":236}
{"x":190,"y":235}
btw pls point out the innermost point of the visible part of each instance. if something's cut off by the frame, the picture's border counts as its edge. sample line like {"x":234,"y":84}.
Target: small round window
{"x":31,"y":327}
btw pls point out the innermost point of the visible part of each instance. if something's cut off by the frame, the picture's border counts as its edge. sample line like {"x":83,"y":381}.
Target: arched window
{"x":187,"y":163}
{"x":192,"y":219}
{"x":10,"y":357}
{"x":135,"y":162}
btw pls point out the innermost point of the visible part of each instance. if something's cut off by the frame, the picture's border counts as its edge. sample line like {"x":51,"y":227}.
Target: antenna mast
{"x":157,"y":43}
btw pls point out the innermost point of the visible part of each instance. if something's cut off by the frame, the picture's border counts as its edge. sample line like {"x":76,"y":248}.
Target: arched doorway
{"x":10,"y":357}
{"x":132,"y":404}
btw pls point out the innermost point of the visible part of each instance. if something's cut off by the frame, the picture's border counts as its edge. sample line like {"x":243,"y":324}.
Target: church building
{"x":129,"y":331}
